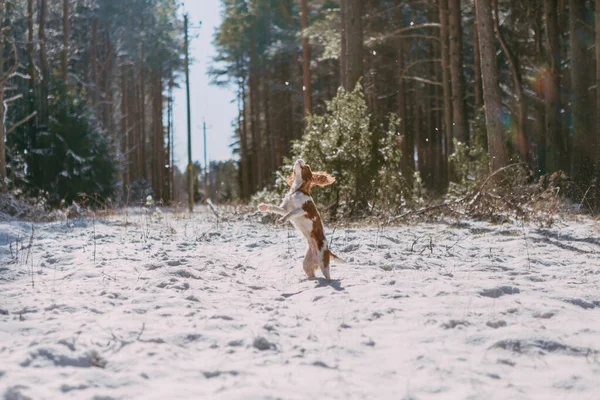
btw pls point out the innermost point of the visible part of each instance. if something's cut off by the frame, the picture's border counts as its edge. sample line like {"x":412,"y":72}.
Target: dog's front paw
{"x":263,"y":207}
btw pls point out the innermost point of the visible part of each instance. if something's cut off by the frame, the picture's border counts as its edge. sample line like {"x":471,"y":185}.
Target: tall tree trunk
{"x":172,"y":130}
{"x":408,"y":141}
{"x":343,"y":41}
{"x":158,"y":158}
{"x":132,"y":114}
{"x":65,"y":49}
{"x":491,"y":91}
{"x":266,"y":95}
{"x":583,"y":156}
{"x":446,"y":80}
{"x":459,"y":103}
{"x":138,"y":167}
{"x":354,"y":43}
{"x":143,"y":164}
{"x":167,"y":160}
{"x":435,"y":105}
{"x":556,"y":142}
{"x":45,"y":78}
{"x":32,"y":158}
{"x":3,"y":176}
{"x":31,"y":54}
{"x":370,"y":84}
{"x":283,"y":134}
{"x":255,"y":128}
{"x":520,"y":102}
{"x":124,"y":130}
{"x":477,"y":64}
{"x":95,"y":88}
{"x":307,"y":87}
{"x":597,"y":158}
{"x":244,"y":175}
{"x":108,"y":90}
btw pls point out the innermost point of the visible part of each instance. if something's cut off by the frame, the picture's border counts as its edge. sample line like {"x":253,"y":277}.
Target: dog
{"x":299,"y":208}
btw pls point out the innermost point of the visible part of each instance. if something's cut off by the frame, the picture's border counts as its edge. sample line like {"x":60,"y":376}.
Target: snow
{"x":163,"y":305}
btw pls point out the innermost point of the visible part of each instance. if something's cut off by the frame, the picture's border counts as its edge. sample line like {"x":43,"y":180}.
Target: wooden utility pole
{"x":189,"y":118}
{"x":205,"y":163}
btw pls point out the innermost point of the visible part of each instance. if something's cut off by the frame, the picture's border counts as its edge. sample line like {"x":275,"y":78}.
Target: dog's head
{"x":303,"y":178}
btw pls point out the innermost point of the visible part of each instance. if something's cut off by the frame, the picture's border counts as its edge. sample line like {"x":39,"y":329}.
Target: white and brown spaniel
{"x":299,"y":208}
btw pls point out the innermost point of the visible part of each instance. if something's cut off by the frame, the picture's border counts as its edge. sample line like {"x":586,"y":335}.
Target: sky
{"x":208,"y":103}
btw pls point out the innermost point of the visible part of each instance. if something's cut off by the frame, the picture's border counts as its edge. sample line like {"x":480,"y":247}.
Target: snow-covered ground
{"x":164,"y":306}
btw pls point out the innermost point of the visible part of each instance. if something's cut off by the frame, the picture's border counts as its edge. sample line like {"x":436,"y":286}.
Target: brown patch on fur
{"x":326,"y":258}
{"x":322,"y":178}
{"x":317,"y":229}
{"x":310,"y":178}
{"x":306,"y":173}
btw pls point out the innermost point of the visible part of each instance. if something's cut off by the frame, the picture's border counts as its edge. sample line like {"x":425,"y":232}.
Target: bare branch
{"x":399,"y":32}
{"x":13,"y":69}
{"x":14,"y":98}
{"x":423,"y":80}
{"x":417,"y":62}
{"x":19,"y":75}
{"x":21,"y":122}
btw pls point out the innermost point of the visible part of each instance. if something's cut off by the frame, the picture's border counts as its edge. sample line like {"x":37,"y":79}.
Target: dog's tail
{"x":337,"y":259}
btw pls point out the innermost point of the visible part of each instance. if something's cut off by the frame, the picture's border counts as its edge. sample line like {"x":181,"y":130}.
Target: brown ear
{"x":322,"y":179}
{"x":290,"y":179}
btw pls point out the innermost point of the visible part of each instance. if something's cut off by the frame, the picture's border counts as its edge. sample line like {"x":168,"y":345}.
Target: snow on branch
{"x":14,"y":98}
{"x":398,"y":32}
{"x":21,"y":122}
{"x":423,"y":80}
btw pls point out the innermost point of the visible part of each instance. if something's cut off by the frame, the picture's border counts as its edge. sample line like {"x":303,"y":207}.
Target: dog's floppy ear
{"x":322,"y":179}
{"x":290,"y":179}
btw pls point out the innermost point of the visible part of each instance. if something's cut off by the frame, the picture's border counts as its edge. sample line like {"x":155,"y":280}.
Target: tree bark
{"x":354,"y":43}
{"x":491,"y":91}
{"x":45,"y":78}
{"x":459,"y":104}
{"x":143,"y":166}
{"x":343,"y":42}
{"x":446,"y":80}
{"x":65,"y":49}
{"x":307,"y":87}
{"x":3,"y":176}
{"x":408,"y":140}
{"x":244,"y":175}
{"x":557,"y":145}
{"x":158,"y":158}
{"x":255,"y":128}
{"x":597,"y":155}
{"x":266,"y":95}
{"x":520,"y":102}
{"x":124,"y":130}
{"x":108,"y":90}
{"x":95,"y":89}
{"x":477,"y":64}
{"x":31,"y":54}
{"x":583,"y":156}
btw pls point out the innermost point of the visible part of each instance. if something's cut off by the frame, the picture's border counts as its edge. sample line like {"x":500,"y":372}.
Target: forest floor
{"x":161,"y":305}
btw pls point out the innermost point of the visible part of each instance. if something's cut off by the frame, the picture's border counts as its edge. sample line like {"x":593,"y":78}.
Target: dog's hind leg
{"x":323,"y":259}
{"x":310,"y":260}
